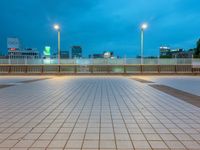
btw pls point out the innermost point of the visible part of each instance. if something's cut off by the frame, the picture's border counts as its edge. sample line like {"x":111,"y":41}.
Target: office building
{"x":108,"y":54}
{"x":15,"y":50}
{"x":167,"y":52}
{"x":64,"y":54}
{"x":180,"y":53}
{"x":95,"y":56}
{"x":24,"y":54}
{"x":76,"y":52}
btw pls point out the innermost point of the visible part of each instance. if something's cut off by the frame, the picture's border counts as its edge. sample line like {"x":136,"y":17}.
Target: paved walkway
{"x":93,"y":113}
{"x":189,"y":84}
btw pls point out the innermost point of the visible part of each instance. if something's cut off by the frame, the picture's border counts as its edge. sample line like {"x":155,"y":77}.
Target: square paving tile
{"x":95,"y":113}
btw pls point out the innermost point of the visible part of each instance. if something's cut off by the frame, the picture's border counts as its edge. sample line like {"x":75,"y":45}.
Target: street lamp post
{"x":143,"y":27}
{"x":57,"y":28}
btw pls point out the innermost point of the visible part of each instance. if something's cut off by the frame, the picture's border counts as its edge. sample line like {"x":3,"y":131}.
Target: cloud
{"x":101,"y":24}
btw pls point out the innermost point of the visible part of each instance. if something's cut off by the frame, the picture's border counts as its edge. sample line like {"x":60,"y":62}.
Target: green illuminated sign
{"x":47,"y":51}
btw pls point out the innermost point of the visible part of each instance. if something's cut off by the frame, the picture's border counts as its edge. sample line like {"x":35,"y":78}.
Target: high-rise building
{"x":76,"y":52}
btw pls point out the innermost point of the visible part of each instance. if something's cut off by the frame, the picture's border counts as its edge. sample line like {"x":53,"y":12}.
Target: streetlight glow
{"x":56,"y":26}
{"x":144,"y":26}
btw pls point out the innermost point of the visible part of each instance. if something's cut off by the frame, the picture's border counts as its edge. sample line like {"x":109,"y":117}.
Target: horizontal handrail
{"x":120,"y":61}
{"x":92,"y":69}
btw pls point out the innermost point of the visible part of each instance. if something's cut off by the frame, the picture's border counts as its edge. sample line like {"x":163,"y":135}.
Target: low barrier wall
{"x":99,"y":69}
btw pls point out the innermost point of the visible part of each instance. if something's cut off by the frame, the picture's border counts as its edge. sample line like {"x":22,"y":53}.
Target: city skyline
{"x":102,"y":25}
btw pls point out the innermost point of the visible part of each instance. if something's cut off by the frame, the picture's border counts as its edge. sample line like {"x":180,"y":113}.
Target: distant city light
{"x":164,"y":47}
{"x":144,"y":26}
{"x":47,"y":51}
{"x":47,"y":61}
{"x":12,"y":49}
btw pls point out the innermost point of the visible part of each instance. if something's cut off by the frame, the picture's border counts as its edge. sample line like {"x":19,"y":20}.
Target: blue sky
{"x":99,"y":25}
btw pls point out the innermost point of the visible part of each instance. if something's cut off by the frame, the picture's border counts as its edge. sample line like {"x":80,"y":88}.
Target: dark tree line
{"x":197,"y":50}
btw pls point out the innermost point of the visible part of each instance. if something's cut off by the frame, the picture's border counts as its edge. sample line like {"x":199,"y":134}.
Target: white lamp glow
{"x":144,"y":26}
{"x":56,"y":26}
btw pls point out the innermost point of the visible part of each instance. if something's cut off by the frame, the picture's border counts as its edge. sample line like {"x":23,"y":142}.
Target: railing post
{"x":141,"y":68}
{"x":26,"y":69}
{"x":75,"y":69}
{"x":108,"y":68}
{"x":59,"y":69}
{"x":124,"y":69}
{"x":42,"y":71}
{"x":9,"y":69}
{"x":175,"y":68}
{"x":192,"y":69}
{"x":92,"y":68}
{"x":159,"y":68}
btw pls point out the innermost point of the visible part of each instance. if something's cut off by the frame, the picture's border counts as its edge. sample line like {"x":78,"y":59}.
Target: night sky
{"x":99,"y":25}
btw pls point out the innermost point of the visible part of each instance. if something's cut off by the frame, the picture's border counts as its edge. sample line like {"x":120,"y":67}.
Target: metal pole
{"x":142,"y":45}
{"x":58,"y":46}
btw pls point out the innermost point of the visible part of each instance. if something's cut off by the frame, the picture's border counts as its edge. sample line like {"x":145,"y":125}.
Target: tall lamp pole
{"x":57,"y":28}
{"x":143,"y":27}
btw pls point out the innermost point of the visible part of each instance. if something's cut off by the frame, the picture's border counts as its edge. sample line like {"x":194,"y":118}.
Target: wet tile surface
{"x":33,"y":80}
{"x":184,"y":83}
{"x":141,"y":80}
{"x":4,"y":86}
{"x":190,"y":98}
{"x":95,"y":113}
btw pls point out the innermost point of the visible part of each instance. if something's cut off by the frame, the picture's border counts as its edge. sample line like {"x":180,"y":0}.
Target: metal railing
{"x":99,"y":66}
{"x":98,"y":69}
{"x":124,"y":61}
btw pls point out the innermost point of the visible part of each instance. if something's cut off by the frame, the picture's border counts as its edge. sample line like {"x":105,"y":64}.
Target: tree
{"x":197,"y":50}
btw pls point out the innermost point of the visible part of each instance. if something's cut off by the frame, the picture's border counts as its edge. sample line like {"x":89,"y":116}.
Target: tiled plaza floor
{"x":186,"y":83}
{"x":93,"y":113}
